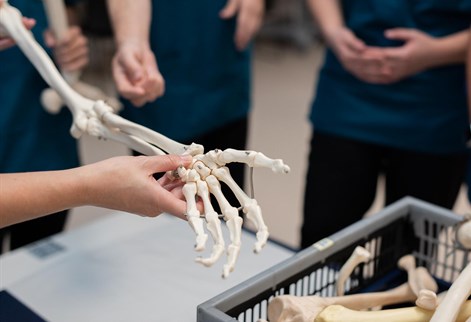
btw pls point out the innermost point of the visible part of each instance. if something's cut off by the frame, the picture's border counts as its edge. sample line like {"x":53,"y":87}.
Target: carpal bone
{"x":359,"y":255}
{"x":338,"y":313}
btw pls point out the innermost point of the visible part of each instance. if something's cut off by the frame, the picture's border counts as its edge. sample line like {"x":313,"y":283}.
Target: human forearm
{"x":328,"y":16}
{"x":25,"y":196}
{"x":130,"y":20}
{"x":450,"y":49}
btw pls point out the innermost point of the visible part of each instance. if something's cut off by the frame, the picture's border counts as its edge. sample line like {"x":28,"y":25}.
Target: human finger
{"x":403,"y":34}
{"x":163,"y":163}
{"x":154,"y":83}
{"x":70,"y":47}
{"x":230,"y":9}
{"x":123,"y":84}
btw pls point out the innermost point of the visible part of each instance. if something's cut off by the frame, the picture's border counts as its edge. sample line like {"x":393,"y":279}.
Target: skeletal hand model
{"x":50,"y":99}
{"x":98,"y":119}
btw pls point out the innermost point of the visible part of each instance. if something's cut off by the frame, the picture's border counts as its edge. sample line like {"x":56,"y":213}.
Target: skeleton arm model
{"x":122,"y":183}
{"x":98,"y":119}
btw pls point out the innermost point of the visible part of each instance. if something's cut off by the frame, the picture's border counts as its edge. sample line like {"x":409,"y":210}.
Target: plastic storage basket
{"x":409,"y":226}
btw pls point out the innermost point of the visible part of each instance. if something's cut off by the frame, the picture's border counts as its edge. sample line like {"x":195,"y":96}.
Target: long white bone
{"x":98,"y":119}
{"x":458,"y":293}
{"x":307,"y":308}
{"x":338,"y":313}
{"x":52,"y":102}
{"x":407,"y":263}
{"x":359,"y":255}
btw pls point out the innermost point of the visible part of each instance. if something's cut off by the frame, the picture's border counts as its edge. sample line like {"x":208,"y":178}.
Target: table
{"x":124,"y":268}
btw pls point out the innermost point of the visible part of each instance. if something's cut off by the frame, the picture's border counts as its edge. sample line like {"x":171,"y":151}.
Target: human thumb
{"x":162,"y":163}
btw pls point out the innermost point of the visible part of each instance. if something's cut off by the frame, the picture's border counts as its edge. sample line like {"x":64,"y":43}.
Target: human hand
{"x":126,"y":183}
{"x":364,"y":62}
{"x":414,"y":56}
{"x":71,"y":52}
{"x":249,"y":19}
{"x":7,"y":42}
{"x":136,"y":73}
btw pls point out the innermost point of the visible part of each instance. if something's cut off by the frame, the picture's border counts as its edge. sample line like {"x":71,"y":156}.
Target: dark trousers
{"x":33,"y":230}
{"x":342,"y":178}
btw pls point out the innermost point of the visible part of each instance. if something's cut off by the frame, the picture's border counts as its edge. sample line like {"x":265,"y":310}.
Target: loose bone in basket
{"x":98,"y":119}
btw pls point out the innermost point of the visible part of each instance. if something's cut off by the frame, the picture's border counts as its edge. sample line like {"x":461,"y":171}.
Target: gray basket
{"x":407,"y":226}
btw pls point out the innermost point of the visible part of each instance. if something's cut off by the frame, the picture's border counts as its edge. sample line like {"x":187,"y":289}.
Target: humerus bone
{"x":306,"y":308}
{"x":338,"y":313}
{"x":458,"y":293}
{"x":359,"y":255}
{"x":99,"y":119}
{"x":50,"y":99}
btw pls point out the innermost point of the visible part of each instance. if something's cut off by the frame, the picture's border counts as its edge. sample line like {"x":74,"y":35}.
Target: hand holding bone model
{"x":202,"y":177}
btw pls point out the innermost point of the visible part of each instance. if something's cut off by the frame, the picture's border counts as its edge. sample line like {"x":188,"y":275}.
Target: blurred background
{"x":288,"y":53}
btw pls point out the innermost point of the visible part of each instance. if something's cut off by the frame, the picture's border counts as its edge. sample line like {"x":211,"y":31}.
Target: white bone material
{"x":451,"y":305}
{"x":359,"y":255}
{"x":427,"y":297}
{"x":98,"y":119}
{"x":307,"y":308}
{"x":407,"y":263}
{"x":50,"y":99}
{"x":338,"y":313}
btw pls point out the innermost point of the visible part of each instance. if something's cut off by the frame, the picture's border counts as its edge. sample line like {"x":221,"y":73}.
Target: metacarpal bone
{"x":233,"y":223}
{"x":213,"y":225}
{"x":249,"y":206}
{"x":196,"y":223}
{"x":251,"y":158}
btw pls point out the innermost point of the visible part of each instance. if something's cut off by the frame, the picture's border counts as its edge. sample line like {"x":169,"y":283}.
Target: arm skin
{"x":121,"y":183}
{"x":135,"y":69}
{"x":468,"y":77}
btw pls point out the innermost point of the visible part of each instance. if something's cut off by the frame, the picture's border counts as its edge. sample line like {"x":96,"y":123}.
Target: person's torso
{"x":207,"y":79}
{"x":425,"y":112}
{"x":30,"y":138}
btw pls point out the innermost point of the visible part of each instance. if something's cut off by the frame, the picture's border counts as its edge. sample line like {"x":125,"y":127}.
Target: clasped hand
{"x":384,"y":65}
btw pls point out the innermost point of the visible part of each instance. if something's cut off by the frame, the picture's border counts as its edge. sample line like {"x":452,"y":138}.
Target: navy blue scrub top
{"x":426,"y":112}
{"x":207,"y":79}
{"x":31,"y":139}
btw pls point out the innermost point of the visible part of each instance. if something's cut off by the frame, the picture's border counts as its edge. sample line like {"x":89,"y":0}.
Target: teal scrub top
{"x":426,"y":112}
{"x":207,"y":78}
{"x":31,"y":139}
